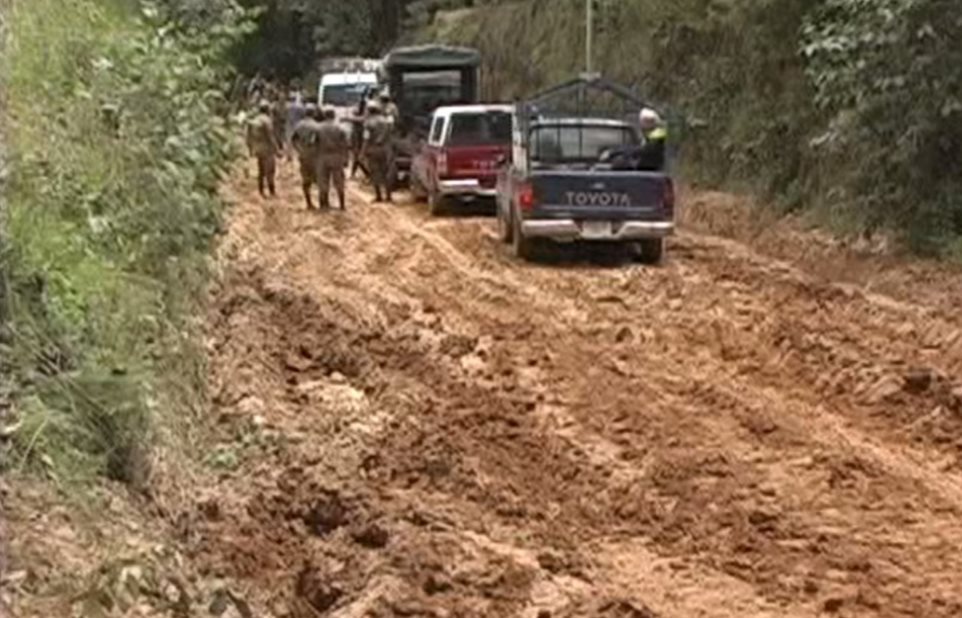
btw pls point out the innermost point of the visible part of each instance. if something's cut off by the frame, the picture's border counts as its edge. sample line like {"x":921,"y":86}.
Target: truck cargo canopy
{"x":432,"y":57}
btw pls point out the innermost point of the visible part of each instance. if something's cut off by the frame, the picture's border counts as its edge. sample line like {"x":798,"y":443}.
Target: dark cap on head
{"x":312,"y":111}
{"x":328,"y":113}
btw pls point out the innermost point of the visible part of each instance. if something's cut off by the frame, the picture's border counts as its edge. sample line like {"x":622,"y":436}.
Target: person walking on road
{"x":304,"y":139}
{"x":262,"y":144}
{"x":296,"y":112}
{"x":334,"y":148}
{"x":279,"y":118}
{"x":379,"y":152}
{"x":256,"y":89}
{"x":357,"y":135}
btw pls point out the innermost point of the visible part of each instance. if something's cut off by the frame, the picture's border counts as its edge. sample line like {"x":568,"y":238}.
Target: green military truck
{"x":421,"y":79}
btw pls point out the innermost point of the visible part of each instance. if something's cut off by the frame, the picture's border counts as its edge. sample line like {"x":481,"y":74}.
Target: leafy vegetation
{"x":292,"y":35}
{"x":117,"y":144}
{"x":884,"y":73}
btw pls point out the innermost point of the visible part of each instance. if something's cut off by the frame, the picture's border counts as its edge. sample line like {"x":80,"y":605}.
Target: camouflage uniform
{"x":333,"y":148}
{"x":357,"y":145}
{"x":262,"y":144}
{"x":390,"y":111}
{"x":357,"y":135}
{"x":296,"y":112}
{"x":279,"y":118}
{"x":379,"y":153}
{"x":304,"y":139}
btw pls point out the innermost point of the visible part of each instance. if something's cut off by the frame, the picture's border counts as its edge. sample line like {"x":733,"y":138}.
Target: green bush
{"x":117,"y":143}
{"x":887,"y":73}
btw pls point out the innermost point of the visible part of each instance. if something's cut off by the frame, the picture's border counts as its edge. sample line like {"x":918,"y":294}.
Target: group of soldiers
{"x":324,"y":147}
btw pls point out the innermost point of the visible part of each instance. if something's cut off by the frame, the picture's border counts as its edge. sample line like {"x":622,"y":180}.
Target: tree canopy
{"x":292,"y":35}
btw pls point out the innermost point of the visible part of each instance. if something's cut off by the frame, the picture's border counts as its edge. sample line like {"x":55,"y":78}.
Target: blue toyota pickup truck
{"x":561,"y":183}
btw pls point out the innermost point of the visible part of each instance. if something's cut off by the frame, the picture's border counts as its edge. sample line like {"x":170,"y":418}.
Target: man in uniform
{"x":279,"y":118}
{"x":333,"y":147}
{"x":304,"y":139}
{"x":357,"y":134}
{"x":255,"y":90}
{"x":296,"y":112}
{"x":379,"y":151}
{"x":262,"y":144}
{"x":389,"y":109}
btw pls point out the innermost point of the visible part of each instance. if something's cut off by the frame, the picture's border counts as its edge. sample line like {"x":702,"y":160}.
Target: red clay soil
{"x":434,"y":428}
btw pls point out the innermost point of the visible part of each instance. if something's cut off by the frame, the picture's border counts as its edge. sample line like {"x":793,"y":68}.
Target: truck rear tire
{"x":651,"y":251}
{"x":524,"y":248}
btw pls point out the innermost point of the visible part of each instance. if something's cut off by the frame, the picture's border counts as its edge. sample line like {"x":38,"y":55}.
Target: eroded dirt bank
{"x":431,"y":428}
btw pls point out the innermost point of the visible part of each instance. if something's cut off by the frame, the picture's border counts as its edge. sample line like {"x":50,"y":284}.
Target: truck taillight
{"x":669,"y":196}
{"x":526,"y":197}
{"x":443,"y":164}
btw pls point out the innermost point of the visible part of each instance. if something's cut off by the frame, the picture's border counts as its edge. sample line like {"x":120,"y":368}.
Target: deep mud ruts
{"x":432,"y":428}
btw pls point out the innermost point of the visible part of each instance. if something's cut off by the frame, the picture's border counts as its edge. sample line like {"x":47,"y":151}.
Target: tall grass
{"x":116,"y":148}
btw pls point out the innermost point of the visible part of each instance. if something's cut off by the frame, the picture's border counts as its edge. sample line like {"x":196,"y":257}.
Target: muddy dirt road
{"x":432,"y":428}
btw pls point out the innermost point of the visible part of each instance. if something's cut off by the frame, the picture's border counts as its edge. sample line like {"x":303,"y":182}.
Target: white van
{"x":343,"y":91}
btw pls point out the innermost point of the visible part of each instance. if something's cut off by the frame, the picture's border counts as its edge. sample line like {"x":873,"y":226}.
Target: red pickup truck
{"x":460,"y":160}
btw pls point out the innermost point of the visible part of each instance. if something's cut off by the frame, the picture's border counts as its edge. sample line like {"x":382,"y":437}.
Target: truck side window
{"x":437,"y":131}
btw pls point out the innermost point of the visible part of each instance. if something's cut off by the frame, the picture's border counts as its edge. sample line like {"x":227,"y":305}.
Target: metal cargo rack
{"x":587,"y":96}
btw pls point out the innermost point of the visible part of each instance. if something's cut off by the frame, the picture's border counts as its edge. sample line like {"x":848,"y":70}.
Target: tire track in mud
{"x":939,"y":534}
{"x":455,"y":433}
{"x":949,"y":492}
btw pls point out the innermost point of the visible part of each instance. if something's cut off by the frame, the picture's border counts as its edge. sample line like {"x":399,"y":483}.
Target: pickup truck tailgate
{"x":612,"y":196}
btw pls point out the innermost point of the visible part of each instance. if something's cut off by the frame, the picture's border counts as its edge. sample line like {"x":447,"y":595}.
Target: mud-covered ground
{"x":429,"y":427}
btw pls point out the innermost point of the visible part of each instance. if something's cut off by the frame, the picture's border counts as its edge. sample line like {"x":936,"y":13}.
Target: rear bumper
{"x":621,"y":231}
{"x":470,"y":187}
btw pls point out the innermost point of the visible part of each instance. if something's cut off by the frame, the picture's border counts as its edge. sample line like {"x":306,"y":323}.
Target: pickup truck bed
{"x":563,"y":184}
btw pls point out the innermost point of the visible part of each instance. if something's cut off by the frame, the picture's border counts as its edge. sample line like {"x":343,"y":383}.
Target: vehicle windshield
{"x":480,"y":129}
{"x":344,"y":95}
{"x":424,"y":92}
{"x":577,"y":143}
